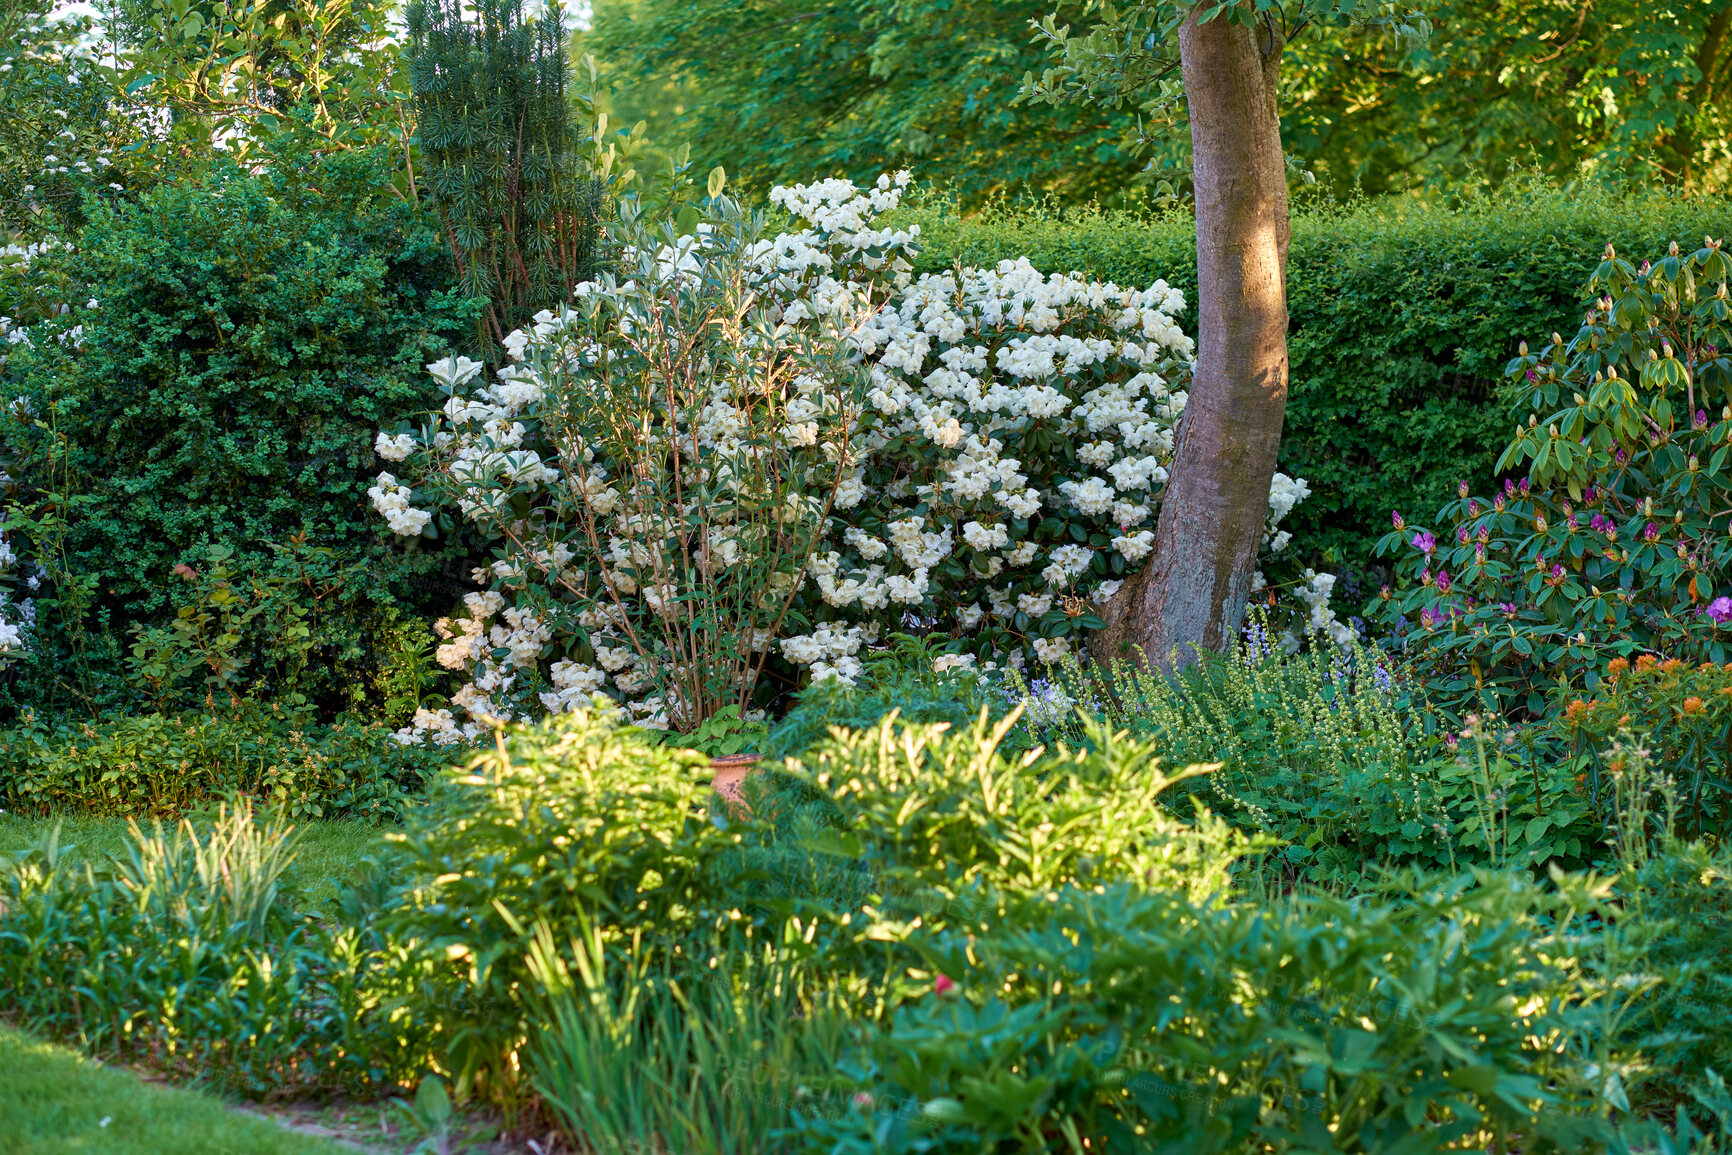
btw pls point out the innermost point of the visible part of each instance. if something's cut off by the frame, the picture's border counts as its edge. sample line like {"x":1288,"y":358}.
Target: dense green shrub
{"x":167,"y":764}
{"x":900,"y":677}
{"x":1115,"y":1019}
{"x":1402,"y":319}
{"x":579,"y":821}
{"x":249,"y":333}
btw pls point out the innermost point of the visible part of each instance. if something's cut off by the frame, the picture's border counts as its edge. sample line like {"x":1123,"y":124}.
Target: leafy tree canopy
{"x":784,"y":90}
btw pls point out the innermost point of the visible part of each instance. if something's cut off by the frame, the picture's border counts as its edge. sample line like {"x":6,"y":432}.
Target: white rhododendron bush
{"x":743,"y":457}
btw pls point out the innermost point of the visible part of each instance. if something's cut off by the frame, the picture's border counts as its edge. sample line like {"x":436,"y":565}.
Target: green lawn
{"x":51,"y":1100}
{"x":326,"y":851}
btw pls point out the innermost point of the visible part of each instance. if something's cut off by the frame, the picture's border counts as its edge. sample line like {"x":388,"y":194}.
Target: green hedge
{"x":1403,"y":318}
{"x":252,"y":334}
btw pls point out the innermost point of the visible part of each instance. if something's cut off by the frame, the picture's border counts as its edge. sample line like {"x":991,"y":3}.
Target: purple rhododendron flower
{"x":1442,"y":581}
{"x":1720,"y":610}
{"x":1507,"y":608}
{"x":1461,"y":488}
{"x":1651,"y":532}
{"x":1395,"y":516}
{"x":1701,"y":419}
{"x":1461,"y":535}
{"x":1508,"y":487}
{"x":1424,"y":543}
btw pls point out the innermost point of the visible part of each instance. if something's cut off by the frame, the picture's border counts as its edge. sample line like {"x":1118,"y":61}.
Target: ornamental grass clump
{"x":1613,"y":536}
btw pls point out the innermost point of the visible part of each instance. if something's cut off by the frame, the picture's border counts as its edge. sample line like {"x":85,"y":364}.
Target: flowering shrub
{"x":980,"y":452}
{"x":1656,"y":728}
{"x":1619,"y":538}
{"x":15,"y":615}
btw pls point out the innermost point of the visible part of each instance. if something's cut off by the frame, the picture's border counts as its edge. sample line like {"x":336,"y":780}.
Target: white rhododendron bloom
{"x":1135,"y":546}
{"x":396,"y":448}
{"x":392,"y":500}
{"x":975,"y":440}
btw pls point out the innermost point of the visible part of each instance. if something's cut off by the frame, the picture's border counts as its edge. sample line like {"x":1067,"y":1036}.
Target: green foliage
{"x":572,"y":819}
{"x":250,"y":336}
{"x":1653,"y":749}
{"x":1616,"y":88}
{"x":1132,"y":1021}
{"x":900,"y":678}
{"x":1333,"y":752}
{"x":945,"y":822}
{"x":502,"y":157}
{"x":191,"y":952}
{"x":250,"y":74}
{"x":856,"y":88}
{"x":723,"y":733}
{"x":639,"y":1053}
{"x":1619,"y":537}
{"x":167,"y":764}
{"x":1403,"y":318}
{"x":1684,"y":896}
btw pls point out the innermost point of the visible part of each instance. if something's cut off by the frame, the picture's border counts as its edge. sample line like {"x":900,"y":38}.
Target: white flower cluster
{"x":15,"y":617}
{"x":999,"y":469}
{"x":392,"y":500}
{"x":607,"y":554}
{"x":1314,"y":590}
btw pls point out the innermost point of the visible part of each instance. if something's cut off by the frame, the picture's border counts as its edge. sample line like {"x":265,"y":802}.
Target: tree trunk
{"x":1193,"y":591}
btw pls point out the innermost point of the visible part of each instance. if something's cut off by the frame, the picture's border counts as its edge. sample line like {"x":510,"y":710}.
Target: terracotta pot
{"x":730,"y":771}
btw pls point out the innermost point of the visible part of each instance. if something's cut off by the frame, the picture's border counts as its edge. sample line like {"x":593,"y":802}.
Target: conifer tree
{"x":504,"y":164}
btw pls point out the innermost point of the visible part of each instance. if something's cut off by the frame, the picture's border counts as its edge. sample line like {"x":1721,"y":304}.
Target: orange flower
{"x":1576,"y":711}
{"x":1581,"y":783}
{"x":1671,"y":666}
{"x":1727,"y":691}
{"x":1646,"y":662}
{"x":1692,"y":705}
{"x":1617,"y":666}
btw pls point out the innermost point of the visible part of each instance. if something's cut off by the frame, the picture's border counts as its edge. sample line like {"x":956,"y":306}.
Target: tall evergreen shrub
{"x":503,"y":159}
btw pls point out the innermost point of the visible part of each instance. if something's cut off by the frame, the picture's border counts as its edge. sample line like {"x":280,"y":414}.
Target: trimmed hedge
{"x":1403,"y":317}
{"x":254,"y":332}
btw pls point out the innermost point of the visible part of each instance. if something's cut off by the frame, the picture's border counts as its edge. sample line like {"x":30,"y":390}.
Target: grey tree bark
{"x":1193,"y":591}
